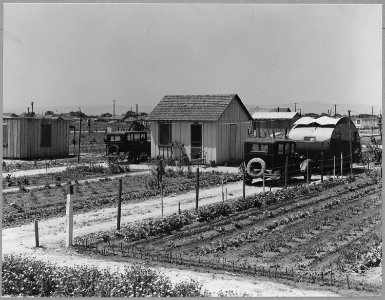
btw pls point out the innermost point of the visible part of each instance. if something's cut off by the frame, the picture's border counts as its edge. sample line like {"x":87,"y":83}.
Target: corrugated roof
{"x":274,"y":115}
{"x":324,"y":120}
{"x":37,"y":117}
{"x":193,"y":107}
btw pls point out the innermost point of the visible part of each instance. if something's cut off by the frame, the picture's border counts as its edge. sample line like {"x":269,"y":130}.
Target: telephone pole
{"x":295,"y":106}
{"x":335,"y":110}
{"x":114,"y":108}
{"x":80,"y":133}
{"x":350,"y":146}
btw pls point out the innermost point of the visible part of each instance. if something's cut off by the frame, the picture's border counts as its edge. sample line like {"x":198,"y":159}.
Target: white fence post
{"x":69,"y":217}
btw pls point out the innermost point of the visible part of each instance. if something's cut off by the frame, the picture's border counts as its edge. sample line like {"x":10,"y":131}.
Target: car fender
{"x":303,"y":166}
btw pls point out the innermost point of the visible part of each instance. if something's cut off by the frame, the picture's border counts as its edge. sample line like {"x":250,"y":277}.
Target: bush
{"x":23,"y":276}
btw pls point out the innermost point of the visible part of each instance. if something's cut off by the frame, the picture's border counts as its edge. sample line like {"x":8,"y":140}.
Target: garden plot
{"x":24,"y":206}
{"x":303,"y":234}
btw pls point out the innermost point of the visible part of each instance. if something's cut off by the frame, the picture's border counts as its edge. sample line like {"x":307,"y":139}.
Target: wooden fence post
{"x":223,"y":192}
{"x":244,"y":183}
{"x":36,"y":233}
{"x":69,"y":217}
{"x":263,"y":183}
{"x":342,"y":160}
{"x":226,"y":194}
{"x":161,"y":185}
{"x":334,"y":166}
{"x":179,"y":212}
{"x":347,"y":280}
{"x":322,"y":166}
{"x":119,"y":204}
{"x":286,"y":170}
{"x":197,"y":190}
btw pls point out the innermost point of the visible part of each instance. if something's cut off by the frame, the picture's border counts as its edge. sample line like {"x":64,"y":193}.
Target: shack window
{"x":5,"y":135}
{"x":164,"y":134}
{"x":46,"y":135}
{"x":358,"y":121}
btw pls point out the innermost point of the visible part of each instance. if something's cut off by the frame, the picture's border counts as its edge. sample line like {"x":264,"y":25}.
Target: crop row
{"x":168,"y":224}
{"x":23,"y":276}
{"x":47,"y":202}
{"x":258,"y":233}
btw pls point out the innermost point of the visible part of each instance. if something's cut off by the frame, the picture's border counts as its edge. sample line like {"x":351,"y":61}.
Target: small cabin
{"x":35,"y":137}
{"x":273,"y":124}
{"x":211,"y":128}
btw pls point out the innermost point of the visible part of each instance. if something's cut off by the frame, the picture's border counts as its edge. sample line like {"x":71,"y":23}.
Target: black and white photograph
{"x":192,"y":150}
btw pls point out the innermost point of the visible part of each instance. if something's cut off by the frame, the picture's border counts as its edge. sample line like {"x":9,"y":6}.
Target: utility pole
{"x":295,"y":106}
{"x":80,"y":132}
{"x":32,"y":108}
{"x":372,"y":111}
{"x":350,"y":146}
{"x":114,"y":108}
{"x":335,"y":110}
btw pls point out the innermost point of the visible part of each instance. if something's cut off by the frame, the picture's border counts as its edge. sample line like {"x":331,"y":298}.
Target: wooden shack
{"x":273,"y":124}
{"x":35,"y":137}
{"x":210,"y":127}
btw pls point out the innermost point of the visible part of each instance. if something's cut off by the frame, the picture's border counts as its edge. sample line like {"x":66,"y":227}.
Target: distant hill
{"x":87,"y":109}
{"x":306,"y":107}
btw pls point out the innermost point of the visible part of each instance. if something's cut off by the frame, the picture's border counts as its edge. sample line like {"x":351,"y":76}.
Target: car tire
{"x":256,"y":160}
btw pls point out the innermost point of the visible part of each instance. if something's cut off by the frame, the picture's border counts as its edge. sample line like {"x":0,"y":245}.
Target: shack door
{"x":233,"y":139}
{"x":196,"y":141}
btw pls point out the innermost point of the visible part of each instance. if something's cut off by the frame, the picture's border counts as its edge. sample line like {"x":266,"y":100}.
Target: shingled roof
{"x":193,"y":107}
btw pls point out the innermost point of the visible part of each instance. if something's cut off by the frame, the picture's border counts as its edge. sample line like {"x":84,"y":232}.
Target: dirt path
{"x":52,"y":237}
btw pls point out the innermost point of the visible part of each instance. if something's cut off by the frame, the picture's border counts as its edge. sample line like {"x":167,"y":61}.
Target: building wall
{"x":234,"y":114}
{"x":24,"y":138}
{"x":181,"y":133}
{"x":223,"y":140}
{"x":264,"y":128}
{"x":365,"y":123}
{"x":341,"y":131}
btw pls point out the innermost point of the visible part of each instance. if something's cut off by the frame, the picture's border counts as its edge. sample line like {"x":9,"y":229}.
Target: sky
{"x":87,"y":55}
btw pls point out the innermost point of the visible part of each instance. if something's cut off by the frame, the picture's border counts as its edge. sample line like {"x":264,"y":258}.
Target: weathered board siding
{"x":234,"y":114}
{"x":223,"y":140}
{"x":216,"y":134}
{"x":181,"y":133}
{"x":24,"y":138}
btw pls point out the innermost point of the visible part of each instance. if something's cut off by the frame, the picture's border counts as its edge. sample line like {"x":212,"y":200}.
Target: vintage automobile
{"x":267,"y":157}
{"x":130,"y":146}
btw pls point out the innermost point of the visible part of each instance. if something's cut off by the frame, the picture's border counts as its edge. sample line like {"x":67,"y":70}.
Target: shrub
{"x":23,"y":276}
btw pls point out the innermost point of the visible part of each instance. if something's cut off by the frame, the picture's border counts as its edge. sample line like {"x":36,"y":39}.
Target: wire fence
{"x":329,"y":276}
